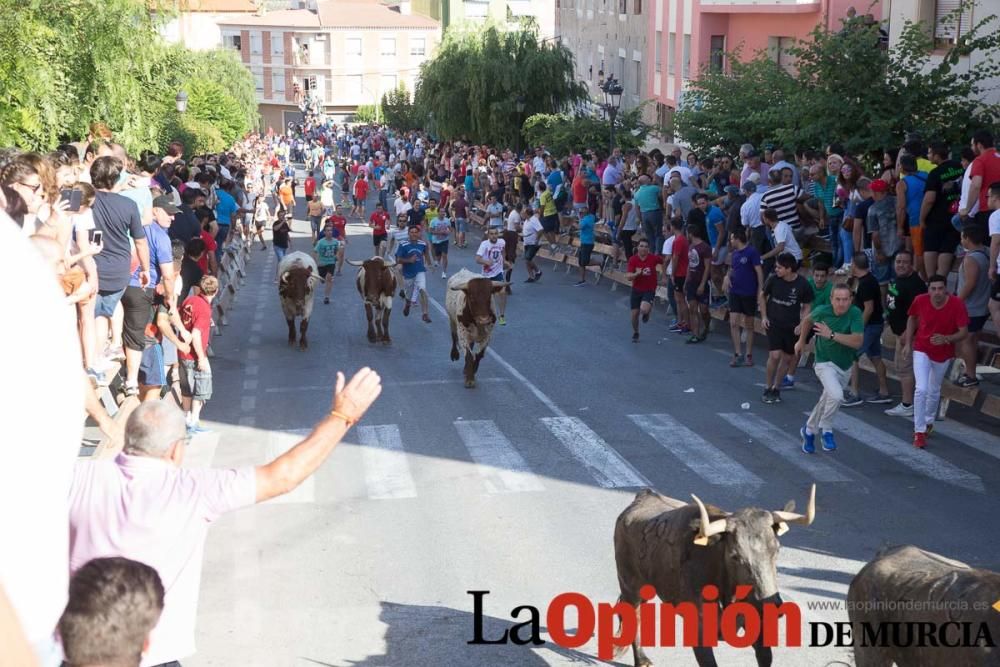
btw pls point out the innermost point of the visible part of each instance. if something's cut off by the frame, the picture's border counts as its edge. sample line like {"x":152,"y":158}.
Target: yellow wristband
{"x":347,"y":420}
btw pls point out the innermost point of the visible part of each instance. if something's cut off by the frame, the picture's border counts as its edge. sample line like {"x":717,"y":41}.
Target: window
{"x":686,"y":66}
{"x":255,"y":44}
{"x":671,"y":51}
{"x":418,"y":46}
{"x":717,"y":53}
{"x":352,"y":85}
{"x":233,"y":42}
{"x":637,"y":7}
{"x":388,"y":83}
{"x":277,"y":44}
{"x":387,"y":46}
{"x":258,"y":81}
{"x":777,"y":50}
{"x":949,"y":23}
{"x":352,"y":46}
{"x":277,"y":84}
{"x":658,"y":49}
{"x":637,"y":77}
{"x":623,"y":6}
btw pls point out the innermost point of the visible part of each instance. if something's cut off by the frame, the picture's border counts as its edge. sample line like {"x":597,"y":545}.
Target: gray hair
{"x":745,"y":148}
{"x":153,"y":428}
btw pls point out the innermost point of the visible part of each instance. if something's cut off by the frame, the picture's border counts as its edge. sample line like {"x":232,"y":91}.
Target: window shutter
{"x":948,"y":23}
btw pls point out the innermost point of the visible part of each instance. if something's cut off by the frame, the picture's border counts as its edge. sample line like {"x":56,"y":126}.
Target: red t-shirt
{"x":680,"y":256}
{"x":210,"y":246}
{"x":986,"y":165}
{"x":340,"y":223}
{"x":946,"y":320}
{"x":379,"y":220}
{"x":310,"y":187}
{"x":646,"y":282}
{"x":361,"y":188}
{"x":196,"y":313}
{"x":579,"y":190}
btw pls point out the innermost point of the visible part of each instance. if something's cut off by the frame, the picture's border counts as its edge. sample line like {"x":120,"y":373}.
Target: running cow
{"x":377,"y":283}
{"x":679,"y":548}
{"x":297,"y":279}
{"x":470,"y":312}
{"x":922,"y":594}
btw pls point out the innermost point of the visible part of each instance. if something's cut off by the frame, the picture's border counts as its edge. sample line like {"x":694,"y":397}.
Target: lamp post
{"x":519,"y":105}
{"x":181,"y":101}
{"x":612,"y":101}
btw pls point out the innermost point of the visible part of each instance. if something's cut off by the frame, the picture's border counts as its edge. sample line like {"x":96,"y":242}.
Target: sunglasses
{"x":34,"y":188}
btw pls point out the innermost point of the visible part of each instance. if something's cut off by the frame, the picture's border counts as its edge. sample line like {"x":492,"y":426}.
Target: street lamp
{"x":181,"y":101}
{"x":519,"y":105}
{"x":612,"y":101}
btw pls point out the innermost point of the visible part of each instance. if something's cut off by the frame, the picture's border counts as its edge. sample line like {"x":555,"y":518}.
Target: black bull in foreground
{"x":680,"y":548}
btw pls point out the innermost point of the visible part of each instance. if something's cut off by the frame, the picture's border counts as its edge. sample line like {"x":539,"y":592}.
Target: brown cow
{"x":298,"y":277}
{"x":470,"y":311}
{"x":376,"y":283}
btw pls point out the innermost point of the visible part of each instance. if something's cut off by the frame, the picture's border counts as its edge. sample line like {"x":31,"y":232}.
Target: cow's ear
{"x":499,"y":286}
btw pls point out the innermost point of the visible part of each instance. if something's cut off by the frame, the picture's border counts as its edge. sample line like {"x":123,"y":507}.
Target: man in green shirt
{"x":821,"y":287}
{"x":839,"y":330}
{"x":326,"y":258}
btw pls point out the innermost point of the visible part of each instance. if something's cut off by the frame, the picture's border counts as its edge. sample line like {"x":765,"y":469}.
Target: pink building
{"x":687,"y":35}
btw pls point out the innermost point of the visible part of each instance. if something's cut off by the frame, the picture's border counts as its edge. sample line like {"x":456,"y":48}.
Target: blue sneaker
{"x":197,"y":429}
{"x":787,"y":383}
{"x":828,"y":444}
{"x":808,"y":441}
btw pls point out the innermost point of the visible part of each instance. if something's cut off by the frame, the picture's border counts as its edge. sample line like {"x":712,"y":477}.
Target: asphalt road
{"x":514,"y":487}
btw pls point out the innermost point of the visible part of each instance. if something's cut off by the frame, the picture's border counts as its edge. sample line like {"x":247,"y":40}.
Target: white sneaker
{"x":900,"y":411}
{"x":844,"y":270}
{"x":444,"y":275}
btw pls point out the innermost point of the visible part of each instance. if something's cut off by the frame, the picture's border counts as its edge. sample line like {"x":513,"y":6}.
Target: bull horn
{"x":389,"y":263}
{"x":784,"y":516}
{"x":354,"y":262}
{"x":284,"y":278}
{"x":707,"y":529}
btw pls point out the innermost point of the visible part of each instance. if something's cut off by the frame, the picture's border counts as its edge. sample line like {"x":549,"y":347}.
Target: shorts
{"x":138,"y":306}
{"x":358,"y":201}
{"x":260,"y":224}
{"x":995,"y":289}
{"x":194,"y":383}
{"x":530,"y":251}
{"x":314,"y":221}
{"x":638,"y":296}
{"x":279,"y":252}
{"x":579,"y":206}
{"x":781,"y":338}
{"x":584,"y":256}
{"x":904,"y":365}
{"x":550,"y":223}
{"x":941,"y":238}
{"x":379,"y":239}
{"x":460,"y":225}
{"x":169,"y":352}
{"x":721,"y":255}
{"x":883,"y":272}
{"x":106,"y":302}
{"x":679,"y":283}
{"x":440,"y":248}
{"x":916,"y":235}
{"x":740,"y":304}
{"x":977,"y":322}
{"x":413,"y":286}
{"x":498,"y":278}
{"x":510,"y":245}
{"x":151,"y":373}
{"x":691,"y":293}
{"x":326,"y":270}
{"x":871,"y":346}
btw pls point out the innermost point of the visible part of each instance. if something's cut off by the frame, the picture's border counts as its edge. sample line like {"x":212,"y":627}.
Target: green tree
{"x":399,"y":111}
{"x":470,"y":87}
{"x":367,"y":113}
{"x":565,"y":133}
{"x":846,"y":88}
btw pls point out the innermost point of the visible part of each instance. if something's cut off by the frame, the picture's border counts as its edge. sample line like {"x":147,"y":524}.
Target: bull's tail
{"x":621,"y":649}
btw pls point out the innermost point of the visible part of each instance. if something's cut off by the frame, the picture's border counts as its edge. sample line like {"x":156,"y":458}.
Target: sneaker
{"x":503,"y":321}
{"x":736,"y":361}
{"x":97,"y":378}
{"x":116,"y":353}
{"x":677,"y":327}
{"x":767,"y":396}
{"x":919,"y":440}
{"x":196,"y":429}
{"x":749,"y":359}
{"x":844,"y":270}
{"x":406,"y":309}
{"x":693,"y":339}
{"x":673,"y":324}
{"x":580,"y":283}
{"x":426,"y":318}
{"x":851,"y":400}
{"x":402,"y":294}
{"x":538,"y":276}
{"x":879,"y":399}
{"x":787,"y":383}
{"x":530,"y":280}
{"x":900,"y":411}
{"x":635,"y":337}
{"x":775,"y":395}
{"x":808,"y":441}
{"x":930,"y":429}
{"x":828,"y":444}
{"x":966,"y":381}
{"x":326,"y":299}
{"x":645,"y":317}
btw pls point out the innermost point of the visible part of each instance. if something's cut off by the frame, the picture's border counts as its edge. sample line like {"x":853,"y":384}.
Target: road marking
{"x":387,"y":473}
{"x":502,"y":467}
{"x":251,"y":369}
{"x":254,"y":339}
{"x":922,"y":462}
{"x":605,"y":464}
{"x":253,"y":355}
{"x":259,"y":315}
{"x":972,"y":437}
{"x":257,"y":327}
{"x":248,"y":403}
{"x":249,"y":385}
{"x":201,"y":450}
{"x":279,"y":442}
{"x":247,"y":420}
{"x":398,"y":383}
{"x":704,"y":459}
{"x":787,"y":447}
{"x":539,"y":394}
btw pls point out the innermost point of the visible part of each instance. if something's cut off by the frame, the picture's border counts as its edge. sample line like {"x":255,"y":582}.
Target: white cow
{"x":297,"y":281}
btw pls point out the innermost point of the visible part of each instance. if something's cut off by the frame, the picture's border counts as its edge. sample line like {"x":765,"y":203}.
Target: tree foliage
{"x":367,"y":113}
{"x":845,"y":88}
{"x":399,"y":111}
{"x":65,"y":63}
{"x":470,"y":87}
{"x":565,"y":133}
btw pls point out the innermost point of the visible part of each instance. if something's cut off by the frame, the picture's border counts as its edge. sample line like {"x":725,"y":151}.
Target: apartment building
{"x":607,"y":37}
{"x":688,"y":35}
{"x":196,"y":24}
{"x":450,"y":12}
{"x":343,"y":52}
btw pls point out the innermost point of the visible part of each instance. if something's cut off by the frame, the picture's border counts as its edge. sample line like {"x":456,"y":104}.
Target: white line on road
{"x":279,"y":442}
{"x":254,"y":339}
{"x":922,"y":462}
{"x":399,"y":383}
{"x":248,"y":403}
{"x":248,"y":421}
{"x":253,"y":355}
{"x":539,"y":394}
{"x":257,"y":327}
{"x":606,"y":465}
{"x":502,"y":467}
{"x":972,"y":437}
{"x":251,"y":369}
{"x":387,"y":473}
{"x":704,"y":459}
{"x":787,"y":447}
{"x":249,"y":385}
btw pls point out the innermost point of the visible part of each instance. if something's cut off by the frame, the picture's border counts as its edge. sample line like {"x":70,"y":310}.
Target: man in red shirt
{"x":309,"y":186}
{"x":339,"y":223}
{"x":677,"y":242}
{"x":378,"y":221}
{"x":360,"y":194}
{"x":937,"y":320}
{"x":196,"y":373}
{"x":642,"y":272}
{"x":984,"y":173}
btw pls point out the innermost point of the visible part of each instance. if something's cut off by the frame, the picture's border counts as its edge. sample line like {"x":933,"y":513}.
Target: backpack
{"x":561,"y":199}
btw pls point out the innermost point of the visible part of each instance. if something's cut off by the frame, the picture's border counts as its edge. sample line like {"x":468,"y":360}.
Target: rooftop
{"x":334,"y":14}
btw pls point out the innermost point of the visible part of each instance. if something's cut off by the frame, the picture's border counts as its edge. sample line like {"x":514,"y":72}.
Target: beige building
{"x":607,"y":37}
{"x":344,"y":53}
{"x":196,"y":24}
{"x":450,"y":12}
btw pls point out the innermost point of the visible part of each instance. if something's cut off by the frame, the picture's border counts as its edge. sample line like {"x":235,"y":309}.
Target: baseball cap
{"x":732,"y":190}
{"x":166,"y":202}
{"x":878,"y":185}
{"x":753,"y":152}
{"x":754,"y":176}
{"x":750,"y":186}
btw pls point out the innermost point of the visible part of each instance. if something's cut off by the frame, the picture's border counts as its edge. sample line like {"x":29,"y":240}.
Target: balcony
{"x":760,"y":6}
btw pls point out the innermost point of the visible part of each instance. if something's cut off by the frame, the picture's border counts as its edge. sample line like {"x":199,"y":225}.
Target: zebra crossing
{"x":572,"y":450}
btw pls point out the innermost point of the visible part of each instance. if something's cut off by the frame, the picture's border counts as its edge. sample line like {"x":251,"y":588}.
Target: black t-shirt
{"x":185,"y":225}
{"x":868,"y":290}
{"x":279,"y":234}
{"x":901,"y":293}
{"x":191,"y":275}
{"x":861,"y":213}
{"x":118,"y":218}
{"x":785,"y":298}
{"x":946,"y":180}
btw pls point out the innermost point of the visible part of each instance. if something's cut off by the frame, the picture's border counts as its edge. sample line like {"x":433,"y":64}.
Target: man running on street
{"x":414,"y":256}
{"x":784,"y":304}
{"x":642,"y":272}
{"x":327,"y":249}
{"x":492,"y":256}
